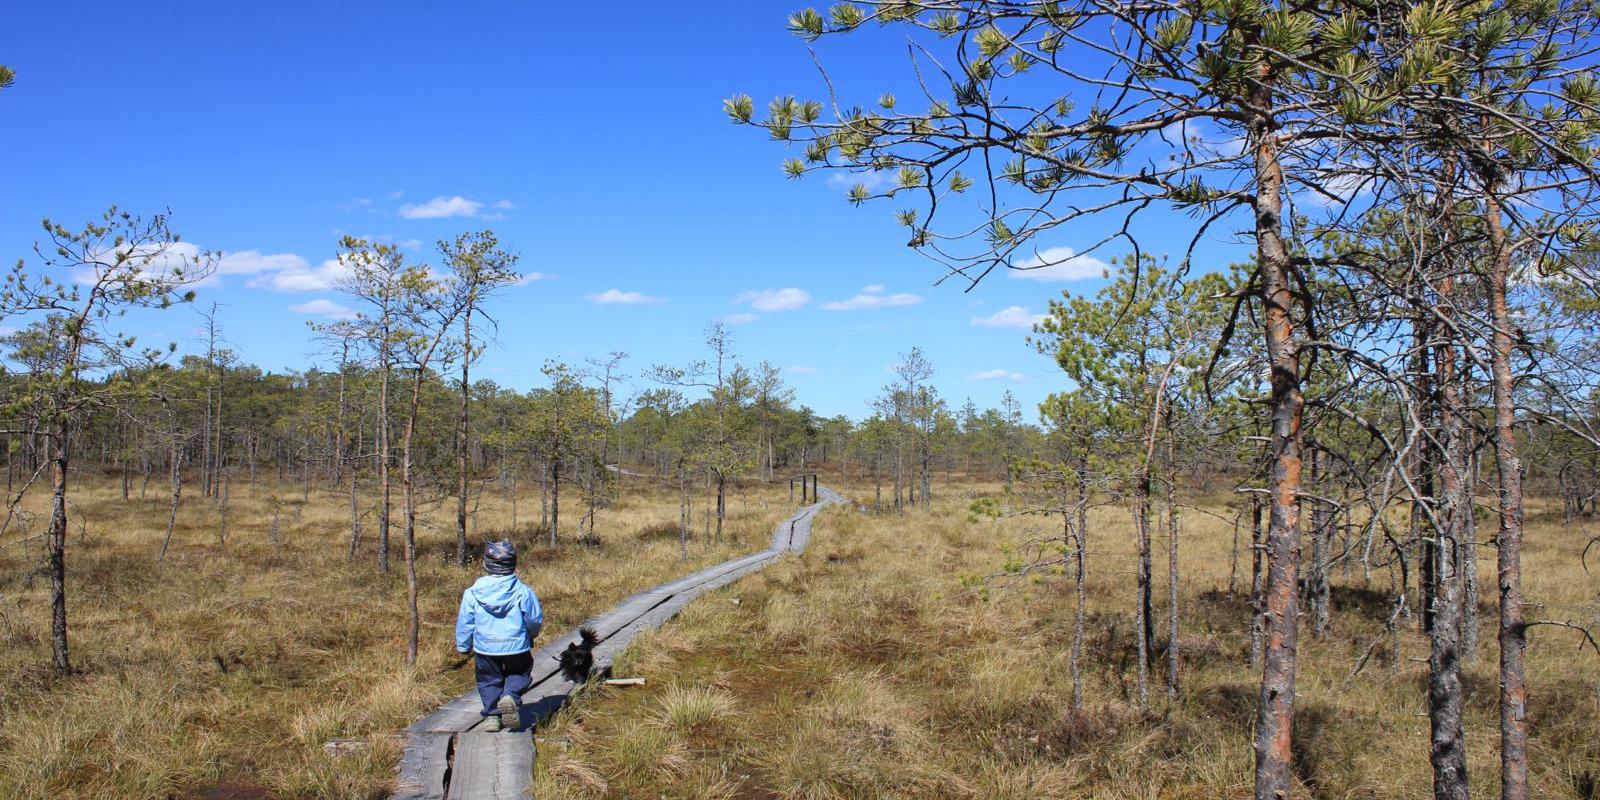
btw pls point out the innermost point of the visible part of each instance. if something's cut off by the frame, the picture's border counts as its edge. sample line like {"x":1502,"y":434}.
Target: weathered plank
{"x":457,"y":715}
{"x":491,"y":766}
{"x":424,"y":765}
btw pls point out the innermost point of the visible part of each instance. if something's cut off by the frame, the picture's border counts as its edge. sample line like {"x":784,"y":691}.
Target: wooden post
{"x":791,"y":490}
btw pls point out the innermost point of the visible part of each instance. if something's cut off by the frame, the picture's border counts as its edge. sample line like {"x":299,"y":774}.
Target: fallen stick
{"x":625,"y":681}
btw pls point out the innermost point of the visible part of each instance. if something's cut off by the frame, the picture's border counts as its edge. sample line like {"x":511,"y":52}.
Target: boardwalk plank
{"x":491,"y":766}
{"x":423,"y":766}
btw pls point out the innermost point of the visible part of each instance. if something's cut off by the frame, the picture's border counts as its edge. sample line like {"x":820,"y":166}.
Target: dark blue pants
{"x":502,"y":675}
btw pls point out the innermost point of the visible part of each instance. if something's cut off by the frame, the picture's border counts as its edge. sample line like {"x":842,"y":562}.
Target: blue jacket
{"x":500,"y":616}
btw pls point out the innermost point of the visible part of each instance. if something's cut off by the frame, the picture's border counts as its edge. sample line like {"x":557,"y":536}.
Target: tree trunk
{"x":123,"y":458}
{"x":1319,"y":592}
{"x":684,"y":518}
{"x":722,"y":502}
{"x":1448,"y":751}
{"x":1423,"y":469}
{"x":1144,"y":624}
{"x":462,"y":434}
{"x":1080,"y":592}
{"x":1513,"y":634}
{"x":177,"y":492}
{"x":58,"y":443}
{"x":1469,"y":555}
{"x":1258,"y":610}
{"x":408,"y":489}
{"x":555,"y":500}
{"x":383,"y":461}
{"x":1275,"y":713}
{"x":1172,"y":568}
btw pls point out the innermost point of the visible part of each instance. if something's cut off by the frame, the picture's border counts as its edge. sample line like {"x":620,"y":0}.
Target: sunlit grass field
{"x":875,"y":665}
{"x":223,"y":672}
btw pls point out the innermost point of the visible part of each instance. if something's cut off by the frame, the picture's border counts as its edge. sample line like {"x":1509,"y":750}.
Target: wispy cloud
{"x":284,"y":272}
{"x":800,"y":369}
{"x":535,"y":277}
{"x":619,"y":297}
{"x":1009,"y":317}
{"x":775,"y":299}
{"x":740,"y":318}
{"x":1343,"y":188}
{"x":873,"y":297}
{"x":323,"y":307}
{"x":442,"y":207}
{"x":1059,"y":264}
{"x":996,"y":375}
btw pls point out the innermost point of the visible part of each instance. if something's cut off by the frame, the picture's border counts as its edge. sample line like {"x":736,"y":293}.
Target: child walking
{"x":499,"y":619}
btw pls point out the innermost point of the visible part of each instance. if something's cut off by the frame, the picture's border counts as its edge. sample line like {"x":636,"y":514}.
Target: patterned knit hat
{"x":500,"y":558}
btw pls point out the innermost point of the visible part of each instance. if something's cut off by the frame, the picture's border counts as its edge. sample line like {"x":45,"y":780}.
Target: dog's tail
{"x":588,"y":635}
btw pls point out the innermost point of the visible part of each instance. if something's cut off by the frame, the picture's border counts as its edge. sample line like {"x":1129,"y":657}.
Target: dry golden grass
{"x":865,"y":668}
{"x":226,"y":669}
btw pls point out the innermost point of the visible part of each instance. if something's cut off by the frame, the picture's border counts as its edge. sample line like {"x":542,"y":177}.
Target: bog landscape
{"x":1210,"y":407}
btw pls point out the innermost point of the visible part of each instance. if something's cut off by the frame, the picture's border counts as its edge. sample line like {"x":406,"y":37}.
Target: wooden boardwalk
{"x":447,"y":757}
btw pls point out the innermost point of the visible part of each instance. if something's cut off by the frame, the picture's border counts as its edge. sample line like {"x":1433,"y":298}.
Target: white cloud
{"x":157,"y":263}
{"x":441,"y":207}
{"x":323,"y":307}
{"x":996,"y":375}
{"x":505,"y":205}
{"x":286,"y":272}
{"x":535,"y":277}
{"x":740,"y":319}
{"x":873,"y":297}
{"x":1059,"y":264}
{"x":1344,"y":187}
{"x":800,"y":369}
{"x":775,"y":299}
{"x":619,"y":297}
{"x":1009,"y":317}
{"x":255,"y":262}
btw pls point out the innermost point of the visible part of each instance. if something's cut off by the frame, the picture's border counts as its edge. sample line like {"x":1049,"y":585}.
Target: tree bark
{"x":1513,"y":636}
{"x":383,"y":454}
{"x":177,"y":492}
{"x":1258,"y":629}
{"x":1275,"y":713}
{"x":58,"y":444}
{"x":1080,"y":573}
{"x":555,"y":500}
{"x":463,"y":431}
{"x":1143,"y":624}
{"x":1448,"y":747}
{"x":1172,"y":566}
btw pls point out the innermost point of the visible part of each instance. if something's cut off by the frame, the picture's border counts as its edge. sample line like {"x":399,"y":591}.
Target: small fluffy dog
{"x":577,"y":661}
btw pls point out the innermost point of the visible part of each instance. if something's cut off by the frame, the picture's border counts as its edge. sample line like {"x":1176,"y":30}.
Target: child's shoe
{"x":510,"y":715}
{"x":491,"y":723}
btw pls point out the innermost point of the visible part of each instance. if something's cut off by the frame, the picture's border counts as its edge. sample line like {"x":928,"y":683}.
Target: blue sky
{"x":589,"y":137}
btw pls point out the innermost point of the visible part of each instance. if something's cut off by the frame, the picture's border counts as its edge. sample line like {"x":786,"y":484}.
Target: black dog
{"x":577,"y":661}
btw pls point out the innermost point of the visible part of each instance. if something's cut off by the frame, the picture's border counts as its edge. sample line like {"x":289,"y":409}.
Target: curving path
{"x":446,"y":757}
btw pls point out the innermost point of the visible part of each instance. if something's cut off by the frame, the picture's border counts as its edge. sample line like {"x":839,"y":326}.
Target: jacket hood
{"x":497,"y":594}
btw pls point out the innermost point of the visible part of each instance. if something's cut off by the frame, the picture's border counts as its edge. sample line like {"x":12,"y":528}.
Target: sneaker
{"x":510,"y":714}
{"x":491,"y":723}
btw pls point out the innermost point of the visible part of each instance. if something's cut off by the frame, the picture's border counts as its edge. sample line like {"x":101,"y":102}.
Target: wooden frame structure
{"x":802,"y":478}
